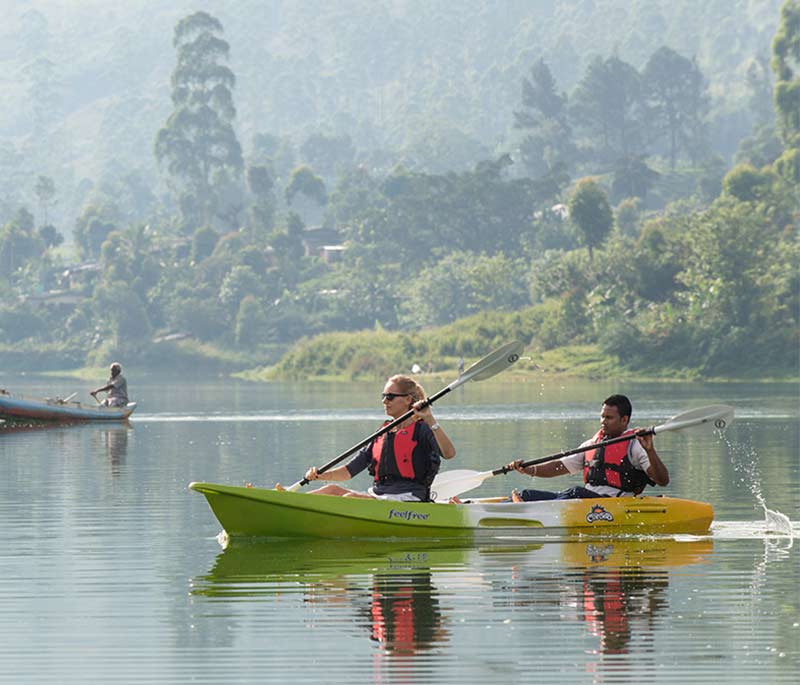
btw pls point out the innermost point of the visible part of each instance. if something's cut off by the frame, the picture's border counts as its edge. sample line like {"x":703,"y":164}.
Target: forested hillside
{"x":432,"y":84}
{"x":213,"y":186}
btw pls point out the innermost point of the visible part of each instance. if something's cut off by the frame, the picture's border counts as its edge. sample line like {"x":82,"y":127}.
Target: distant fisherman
{"x":117,"y":388}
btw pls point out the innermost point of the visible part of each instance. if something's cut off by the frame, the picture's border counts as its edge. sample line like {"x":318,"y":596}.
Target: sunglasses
{"x":391,"y":395}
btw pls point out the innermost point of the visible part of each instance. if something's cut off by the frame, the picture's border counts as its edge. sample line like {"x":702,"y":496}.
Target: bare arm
{"x":446,"y":447}
{"x":337,"y":474}
{"x":658,"y":471}
{"x":549,"y":469}
{"x":105,"y":388}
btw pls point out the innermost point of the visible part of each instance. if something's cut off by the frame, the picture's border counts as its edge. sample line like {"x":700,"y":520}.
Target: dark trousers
{"x":578,"y":492}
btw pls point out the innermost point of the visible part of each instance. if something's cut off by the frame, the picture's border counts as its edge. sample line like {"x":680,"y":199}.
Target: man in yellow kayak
{"x":623,"y":469}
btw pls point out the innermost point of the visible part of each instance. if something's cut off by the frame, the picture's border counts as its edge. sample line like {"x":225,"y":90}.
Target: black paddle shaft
{"x":567,"y":453}
{"x":378,"y":433}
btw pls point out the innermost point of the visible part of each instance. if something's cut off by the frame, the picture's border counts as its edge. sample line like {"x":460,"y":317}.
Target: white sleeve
{"x":638,"y":456}
{"x":574,"y":462}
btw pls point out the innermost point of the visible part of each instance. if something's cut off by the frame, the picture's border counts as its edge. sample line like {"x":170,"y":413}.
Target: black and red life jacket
{"x":611,"y":465}
{"x":395,"y":456}
{"x":404,"y":611}
{"x":605,"y":610}
{"x":394,"y":626}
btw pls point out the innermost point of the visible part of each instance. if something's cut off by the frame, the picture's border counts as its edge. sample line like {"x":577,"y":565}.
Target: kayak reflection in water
{"x":619,"y":603}
{"x":623,"y":469}
{"x":404,"y":461}
{"x":404,"y":613}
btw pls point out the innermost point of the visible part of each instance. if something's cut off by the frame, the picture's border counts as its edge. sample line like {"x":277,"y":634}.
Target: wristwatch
{"x":435,"y":426}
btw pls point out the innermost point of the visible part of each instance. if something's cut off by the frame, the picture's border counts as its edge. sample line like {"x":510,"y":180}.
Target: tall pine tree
{"x":198,"y":145}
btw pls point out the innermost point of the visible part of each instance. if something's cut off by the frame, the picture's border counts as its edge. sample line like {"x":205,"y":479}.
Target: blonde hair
{"x":410,"y":386}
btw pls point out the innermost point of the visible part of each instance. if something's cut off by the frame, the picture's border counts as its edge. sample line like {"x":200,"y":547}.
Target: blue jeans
{"x":578,"y":492}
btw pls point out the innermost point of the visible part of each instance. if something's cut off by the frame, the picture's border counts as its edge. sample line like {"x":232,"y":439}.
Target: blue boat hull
{"x":17,"y":409}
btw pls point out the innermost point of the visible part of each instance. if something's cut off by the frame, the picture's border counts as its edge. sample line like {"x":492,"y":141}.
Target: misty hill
{"x":433,"y":84}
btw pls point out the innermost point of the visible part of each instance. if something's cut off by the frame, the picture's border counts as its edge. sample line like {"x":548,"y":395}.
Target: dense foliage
{"x":605,"y":217}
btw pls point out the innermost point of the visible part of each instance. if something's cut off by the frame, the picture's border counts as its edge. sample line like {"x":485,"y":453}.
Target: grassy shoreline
{"x":577,"y":361}
{"x":374,"y":356}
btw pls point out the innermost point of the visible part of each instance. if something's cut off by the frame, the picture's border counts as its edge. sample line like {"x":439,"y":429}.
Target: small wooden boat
{"x":258,"y":512}
{"x":21,"y":409}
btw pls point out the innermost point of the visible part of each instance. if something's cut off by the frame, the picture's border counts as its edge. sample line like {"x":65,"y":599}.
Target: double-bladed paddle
{"x":492,"y":364}
{"x":453,"y":483}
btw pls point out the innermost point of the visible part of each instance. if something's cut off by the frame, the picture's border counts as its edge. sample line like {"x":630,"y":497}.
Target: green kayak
{"x":259,"y":512}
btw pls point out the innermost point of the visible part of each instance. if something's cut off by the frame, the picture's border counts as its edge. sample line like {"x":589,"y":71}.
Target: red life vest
{"x":611,"y":465}
{"x":396,"y":628}
{"x":395,"y":457}
{"x":605,"y":610}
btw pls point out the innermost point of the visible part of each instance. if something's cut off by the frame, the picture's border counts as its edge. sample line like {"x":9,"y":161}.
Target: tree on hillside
{"x":761,"y":90}
{"x":328,"y":152}
{"x":50,"y":236}
{"x":306,"y":195}
{"x":591,"y":213}
{"x":198,"y":144}
{"x":632,"y":178}
{"x":92,"y":227}
{"x":19,"y":242}
{"x":544,"y":116}
{"x":464,"y":283}
{"x":261,"y":182}
{"x":746,"y":183}
{"x":786,"y":65}
{"x":204,"y":241}
{"x":675,"y":94}
{"x":741,"y":287}
{"x":608,"y":108}
{"x":305,"y":182}
{"x":123,"y":315}
{"x":45,"y":190}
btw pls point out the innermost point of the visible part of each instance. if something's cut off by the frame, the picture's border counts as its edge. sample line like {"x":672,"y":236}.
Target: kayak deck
{"x":258,"y":512}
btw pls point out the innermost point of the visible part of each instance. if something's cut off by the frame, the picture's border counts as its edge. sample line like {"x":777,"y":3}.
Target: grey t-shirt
{"x":119,"y":389}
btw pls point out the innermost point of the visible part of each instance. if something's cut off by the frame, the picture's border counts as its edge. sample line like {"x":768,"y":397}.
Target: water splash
{"x":745,"y":463}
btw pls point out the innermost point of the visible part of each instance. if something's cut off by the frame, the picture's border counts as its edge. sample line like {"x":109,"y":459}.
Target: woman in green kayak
{"x":404,"y":461}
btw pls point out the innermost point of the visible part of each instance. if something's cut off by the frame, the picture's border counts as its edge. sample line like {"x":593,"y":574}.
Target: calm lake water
{"x":111,"y":570}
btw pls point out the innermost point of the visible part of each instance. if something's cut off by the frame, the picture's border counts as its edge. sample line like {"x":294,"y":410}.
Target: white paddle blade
{"x":492,"y":364}
{"x":294,"y":487}
{"x":716,"y":416}
{"x":452,"y":483}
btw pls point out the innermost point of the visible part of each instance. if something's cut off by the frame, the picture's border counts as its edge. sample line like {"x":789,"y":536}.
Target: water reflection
{"x":617,"y":589}
{"x":115,"y":444}
{"x":388,"y":587}
{"x":403,"y":596}
{"x":404,"y":613}
{"x":110,"y":440}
